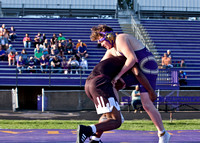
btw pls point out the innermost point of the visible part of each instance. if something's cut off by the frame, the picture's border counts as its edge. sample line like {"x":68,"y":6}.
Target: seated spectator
{"x":182,"y":78}
{"x":78,"y":45}
{"x":24,"y":56}
{"x":54,"y":52}
{"x":31,"y":65}
{"x":136,"y":100}
{"x":38,"y":52}
{"x":82,"y":51}
{"x":69,"y":47}
{"x":169,"y":54}
{"x":61,"y":39}
{"x":10,"y":48}
{"x":66,"y":65}
{"x":44,"y":64}
{"x":3,"y":35}
{"x":27,"y":41}
{"x":56,"y":65}
{"x":53,"y":40}
{"x":38,"y":39}
{"x":12,"y":34}
{"x":5,"y":38}
{"x":16,"y":56}
{"x":182,"y":64}
{"x":11,"y":58}
{"x":46,"y":45}
{"x":2,"y":54}
{"x":61,"y":48}
{"x":74,"y":65}
{"x":166,"y":62}
{"x":20,"y":64}
{"x":83,"y":64}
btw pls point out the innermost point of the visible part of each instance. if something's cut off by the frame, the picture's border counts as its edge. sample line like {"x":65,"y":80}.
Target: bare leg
{"x":152,"y":111}
{"x":113,"y":121}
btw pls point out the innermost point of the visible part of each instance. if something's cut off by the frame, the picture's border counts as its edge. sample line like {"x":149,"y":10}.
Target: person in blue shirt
{"x":82,"y":51}
{"x":182,"y":77}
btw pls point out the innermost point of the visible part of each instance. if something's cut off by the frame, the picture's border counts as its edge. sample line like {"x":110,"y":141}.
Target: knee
{"x":146,"y":107}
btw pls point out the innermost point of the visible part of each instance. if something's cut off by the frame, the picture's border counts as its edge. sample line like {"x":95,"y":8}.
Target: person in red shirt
{"x":27,"y":41}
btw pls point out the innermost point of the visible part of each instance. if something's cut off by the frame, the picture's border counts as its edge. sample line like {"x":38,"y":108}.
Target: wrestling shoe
{"x":164,"y":138}
{"x":83,"y":132}
{"x":93,"y":141}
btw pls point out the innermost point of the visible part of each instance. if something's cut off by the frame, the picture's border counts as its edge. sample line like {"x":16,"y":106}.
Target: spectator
{"x":38,"y":39}
{"x":61,"y":48}
{"x":65,"y":65}
{"x":83,"y":64}
{"x":2,"y":54}
{"x":53,"y":40}
{"x":10,"y":48}
{"x":61,"y":39}
{"x":27,"y":41}
{"x":136,"y":100}
{"x":24,"y":56}
{"x":31,"y":65}
{"x":56,"y":65}
{"x":38,"y":52}
{"x":82,"y":51}
{"x":54,"y":52}
{"x":74,"y":65}
{"x":5,"y":38}
{"x":182,"y":77}
{"x":182,"y":64}
{"x":166,"y":62}
{"x":20,"y":64}
{"x":44,"y":64}
{"x":12,"y":34}
{"x":16,"y":56}
{"x":43,"y":38}
{"x":11,"y":58}
{"x":2,"y":34}
{"x":78,"y":45}
{"x":46,"y":45}
{"x":69,"y":47}
{"x":169,"y":54}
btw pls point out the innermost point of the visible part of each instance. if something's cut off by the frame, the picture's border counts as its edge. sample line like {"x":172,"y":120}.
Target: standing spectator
{"x":53,"y":40}
{"x":182,"y":77}
{"x":2,"y":54}
{"x":69,"y":47}
{"x":20,"y":64}
{"x":65,"y":65}
{"x":166,"y":62}
{"x":82,"y":51}
{"x":27,"y":41}
{"x":83,"y":64}
{"x":12,"y":34}
{"x":24,"y":56}
{"x":44,"y":64}
{"x":74,"y":65}
{"x":136,"y":100}
{"x":56,"y":65}
{"x":43,"y":38}
{"x":11,"y":58}
{"x":38,"y":39}
{"x":31,"y":65}
{"x":61,"y":39}
{"x":38,"y":52}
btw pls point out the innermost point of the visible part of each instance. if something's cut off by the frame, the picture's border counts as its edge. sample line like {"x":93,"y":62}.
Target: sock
{"x":94,"y":129}
{"x":161,"y":133}
{"x":94,"y":138}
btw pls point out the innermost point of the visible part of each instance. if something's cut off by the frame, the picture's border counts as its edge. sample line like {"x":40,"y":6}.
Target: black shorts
{"x":100,"y":90}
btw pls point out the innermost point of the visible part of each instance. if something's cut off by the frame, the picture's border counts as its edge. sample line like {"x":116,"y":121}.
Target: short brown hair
{"x":95,"y":31}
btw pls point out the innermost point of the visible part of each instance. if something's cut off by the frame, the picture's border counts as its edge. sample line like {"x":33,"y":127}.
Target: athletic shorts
{"x":100,"y":90}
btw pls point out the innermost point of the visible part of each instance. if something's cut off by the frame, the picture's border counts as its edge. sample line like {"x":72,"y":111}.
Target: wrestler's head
{"x":104,"y":35}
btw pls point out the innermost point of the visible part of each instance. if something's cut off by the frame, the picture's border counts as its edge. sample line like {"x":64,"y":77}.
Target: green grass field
{"x":144,"y":125}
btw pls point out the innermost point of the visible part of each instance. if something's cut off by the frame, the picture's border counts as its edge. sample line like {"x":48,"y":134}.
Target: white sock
{"x":94,"y":129}
{"x":94,"y":138}
{"x":161,"y":132}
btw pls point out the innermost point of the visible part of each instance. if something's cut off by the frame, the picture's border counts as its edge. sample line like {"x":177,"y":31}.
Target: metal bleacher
{"x":71,"y":28}
{"x":182,"y":37}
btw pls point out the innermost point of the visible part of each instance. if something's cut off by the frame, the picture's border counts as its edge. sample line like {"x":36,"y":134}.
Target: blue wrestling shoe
{"x":83,"y":132}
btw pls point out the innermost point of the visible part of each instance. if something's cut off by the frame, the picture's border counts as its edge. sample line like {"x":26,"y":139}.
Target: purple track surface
{"x":115,"y":136}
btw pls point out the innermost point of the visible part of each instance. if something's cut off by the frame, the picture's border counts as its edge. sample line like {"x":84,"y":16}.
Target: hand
{"x":115,"y":80}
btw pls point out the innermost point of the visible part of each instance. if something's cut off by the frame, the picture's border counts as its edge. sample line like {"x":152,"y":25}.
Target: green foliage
{"x":143,"y":125}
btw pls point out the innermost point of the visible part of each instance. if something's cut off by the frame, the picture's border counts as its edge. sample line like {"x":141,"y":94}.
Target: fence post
{"x":43,"y":99}
{"x":158,"y":95}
